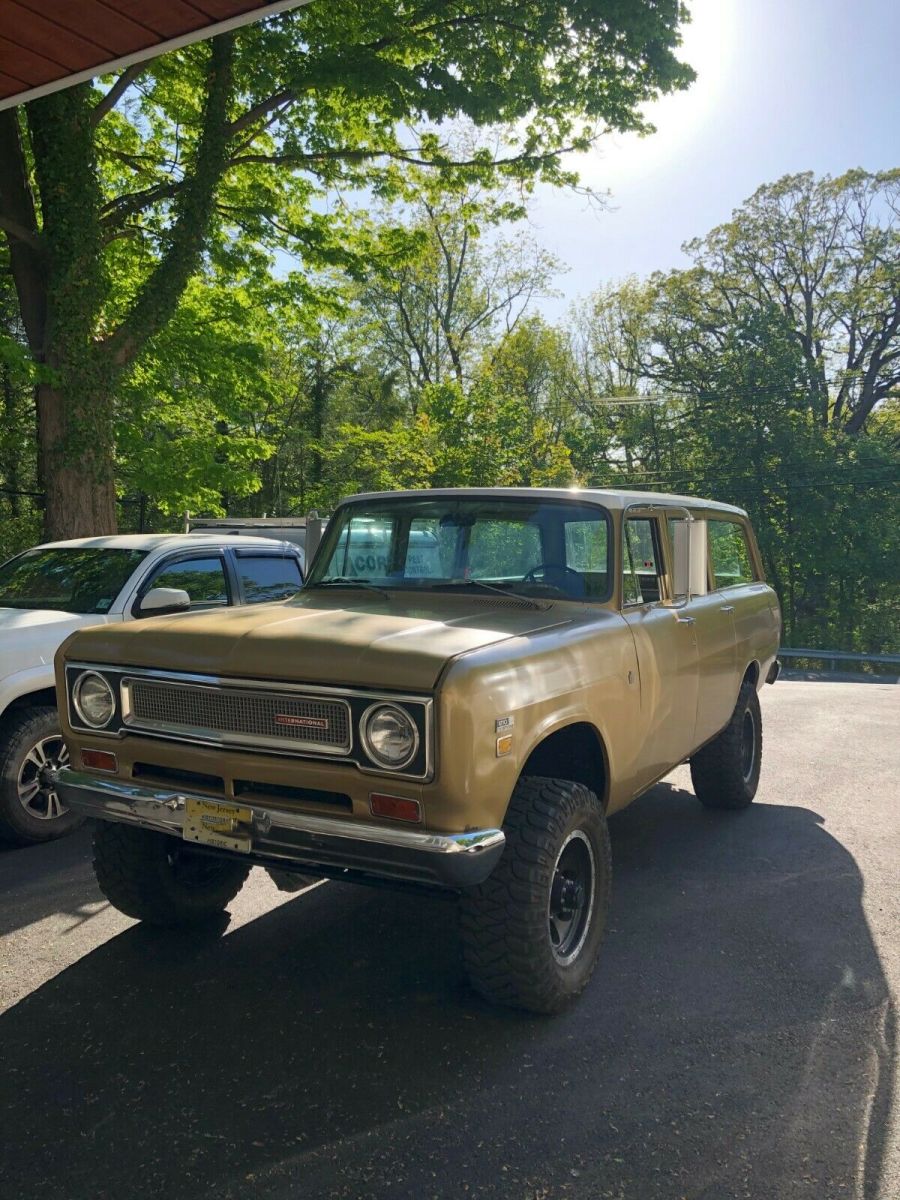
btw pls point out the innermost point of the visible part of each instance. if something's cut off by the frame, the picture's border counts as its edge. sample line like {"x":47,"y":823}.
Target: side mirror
{"x":161,"y":601}
{"x":689,"y":544}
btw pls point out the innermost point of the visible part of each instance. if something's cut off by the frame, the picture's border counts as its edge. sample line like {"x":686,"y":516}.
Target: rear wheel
{"x":532,"y":931}
{"x":158,"y":879}
{"x":31,"y":749}
{"x":725,"y":773}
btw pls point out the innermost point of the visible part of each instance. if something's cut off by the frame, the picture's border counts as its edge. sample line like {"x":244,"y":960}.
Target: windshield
{"x":530,"y":547}
{"x":69,"y":579}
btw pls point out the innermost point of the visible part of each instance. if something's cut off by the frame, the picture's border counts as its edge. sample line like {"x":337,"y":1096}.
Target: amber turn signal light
{"x":395,"y":807}
{"x":99,"y":760}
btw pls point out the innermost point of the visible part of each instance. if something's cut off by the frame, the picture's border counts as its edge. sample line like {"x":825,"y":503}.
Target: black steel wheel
{"x":532,"y":931}
{"x":725,"y":773}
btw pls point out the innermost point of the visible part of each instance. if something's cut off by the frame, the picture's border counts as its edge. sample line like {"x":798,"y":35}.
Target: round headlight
{"x":94,"y":700}
{"x":389,"y":735}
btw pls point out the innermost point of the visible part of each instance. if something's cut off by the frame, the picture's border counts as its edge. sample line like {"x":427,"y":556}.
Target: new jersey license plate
{"x":211,"y":823}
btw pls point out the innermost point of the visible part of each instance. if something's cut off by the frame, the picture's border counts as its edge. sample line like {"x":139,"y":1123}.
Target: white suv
{"x":51,"y":590}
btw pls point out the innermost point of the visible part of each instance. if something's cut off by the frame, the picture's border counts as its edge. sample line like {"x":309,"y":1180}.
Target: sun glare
{"x":708,"y":44}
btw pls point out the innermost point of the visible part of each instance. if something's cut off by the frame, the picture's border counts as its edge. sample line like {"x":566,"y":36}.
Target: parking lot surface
{"x":738,"y":1040}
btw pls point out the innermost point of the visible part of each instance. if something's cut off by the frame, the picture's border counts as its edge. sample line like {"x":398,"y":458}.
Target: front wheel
{"x":158,"y":879}
{"x":532,"y":931}
{"x":31,"y":749}
{"x":725,"y":773}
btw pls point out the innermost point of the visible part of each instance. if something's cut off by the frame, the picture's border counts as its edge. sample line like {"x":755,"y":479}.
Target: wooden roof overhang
{"x":46,"y":45}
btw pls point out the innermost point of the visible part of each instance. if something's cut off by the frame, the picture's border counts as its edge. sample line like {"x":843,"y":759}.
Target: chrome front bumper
{"x":330,"y":843}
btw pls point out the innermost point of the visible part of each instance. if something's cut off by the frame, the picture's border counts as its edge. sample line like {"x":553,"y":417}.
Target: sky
{"x":782,"y":86}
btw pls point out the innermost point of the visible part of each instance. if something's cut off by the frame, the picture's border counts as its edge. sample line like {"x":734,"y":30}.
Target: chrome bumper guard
{"x":445,"y":860}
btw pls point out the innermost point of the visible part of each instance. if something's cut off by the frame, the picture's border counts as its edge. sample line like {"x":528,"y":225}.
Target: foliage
{"x":175,"y":362}
{"x":114,"y":198}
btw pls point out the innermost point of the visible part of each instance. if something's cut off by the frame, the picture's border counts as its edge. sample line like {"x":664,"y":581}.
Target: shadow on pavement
{"x":40,"y":881}
{"x":736,"y":1041}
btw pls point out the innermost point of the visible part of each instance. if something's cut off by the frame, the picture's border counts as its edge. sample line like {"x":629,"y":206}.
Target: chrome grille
{"x":236,"y":715}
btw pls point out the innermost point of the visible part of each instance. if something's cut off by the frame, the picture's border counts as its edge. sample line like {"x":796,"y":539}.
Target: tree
{"x":111,"y":200}
{"x":447,"y":281}
{"x":726,"y":402}
{"x":826,"y":252}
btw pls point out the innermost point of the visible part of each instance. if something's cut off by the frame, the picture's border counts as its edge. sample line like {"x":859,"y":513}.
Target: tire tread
{"x":716,"y":769}
{"x":131,"y":869}
{"x":503,"y":921}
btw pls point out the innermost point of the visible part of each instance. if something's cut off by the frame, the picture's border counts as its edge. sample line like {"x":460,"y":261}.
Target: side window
{"x":642,"y":582}
{"x":202,"y":578}
{"x":729,"y":554}
{"x":267,"y":577}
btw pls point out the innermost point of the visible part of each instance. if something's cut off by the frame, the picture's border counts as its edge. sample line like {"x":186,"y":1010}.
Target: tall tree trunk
{"x":317,"y":411}
{"x":61,"y":280}
{"x":76,"y":468}
{"x":75,"y":446}
{"x":10,"y":454}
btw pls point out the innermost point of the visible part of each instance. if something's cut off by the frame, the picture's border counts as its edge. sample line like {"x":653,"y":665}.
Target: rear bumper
{"x":307,"y":841}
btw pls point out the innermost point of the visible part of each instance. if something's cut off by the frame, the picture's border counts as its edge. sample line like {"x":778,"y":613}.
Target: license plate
{"x":225,"y":826}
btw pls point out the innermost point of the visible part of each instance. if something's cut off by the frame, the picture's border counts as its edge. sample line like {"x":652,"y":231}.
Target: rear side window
{"x":267,"y":577}
{"x":202,"y":578}
{"x":729,"y":554}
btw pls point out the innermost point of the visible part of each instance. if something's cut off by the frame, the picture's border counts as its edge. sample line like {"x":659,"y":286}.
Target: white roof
{"x":610,"y":497}
{"x":169,"y":541}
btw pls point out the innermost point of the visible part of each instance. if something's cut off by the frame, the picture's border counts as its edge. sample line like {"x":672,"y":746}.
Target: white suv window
{"x":202,"y":578}
{"x":268,"y":577}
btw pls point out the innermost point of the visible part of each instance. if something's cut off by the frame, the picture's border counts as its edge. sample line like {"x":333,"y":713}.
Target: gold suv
{"x":469,"y":684}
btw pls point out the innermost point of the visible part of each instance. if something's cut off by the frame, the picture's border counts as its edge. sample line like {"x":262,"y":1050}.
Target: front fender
{"x":24,"y":683}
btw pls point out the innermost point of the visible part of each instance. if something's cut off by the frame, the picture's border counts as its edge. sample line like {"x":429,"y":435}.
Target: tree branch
{"x":117,"y":91}
{"x":261,"y":110}
{"x":194,"y":204}
{"x":346,"y":154}
{"x":134,"y":202}
{"x":20,"y":233}
{"x":19,"y":220}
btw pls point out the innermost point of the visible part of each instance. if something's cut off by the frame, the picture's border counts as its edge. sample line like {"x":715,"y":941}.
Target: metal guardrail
{"x":833,"y":657}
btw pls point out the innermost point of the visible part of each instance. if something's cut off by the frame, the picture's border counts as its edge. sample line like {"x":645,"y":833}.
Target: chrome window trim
{"x":425,"y":702}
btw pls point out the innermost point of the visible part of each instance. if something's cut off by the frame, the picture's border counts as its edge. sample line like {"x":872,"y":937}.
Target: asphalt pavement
{"x":738,"y":1040}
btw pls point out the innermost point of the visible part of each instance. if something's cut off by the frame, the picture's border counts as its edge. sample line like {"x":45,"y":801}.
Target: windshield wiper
{"x":350,"y":581}
{"x":489,"y":587}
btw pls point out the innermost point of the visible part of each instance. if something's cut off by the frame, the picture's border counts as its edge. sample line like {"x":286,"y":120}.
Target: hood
{"x":29,"y":637}
{"x":354,"y":640}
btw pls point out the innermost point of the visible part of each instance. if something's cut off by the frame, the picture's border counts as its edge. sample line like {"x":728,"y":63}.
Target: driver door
{"x":665,"y":642}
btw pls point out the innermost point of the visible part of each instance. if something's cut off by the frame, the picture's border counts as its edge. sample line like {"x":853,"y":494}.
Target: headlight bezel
{"x":381,"y":761}
{"x":78,"y":706}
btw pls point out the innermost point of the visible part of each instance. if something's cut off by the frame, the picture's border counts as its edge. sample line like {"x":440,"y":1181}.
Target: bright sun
{"x":708,"y":44}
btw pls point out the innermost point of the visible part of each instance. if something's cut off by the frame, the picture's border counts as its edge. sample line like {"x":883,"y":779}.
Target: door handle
{"x":727,"y":608}
{"x":685,"y":620}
